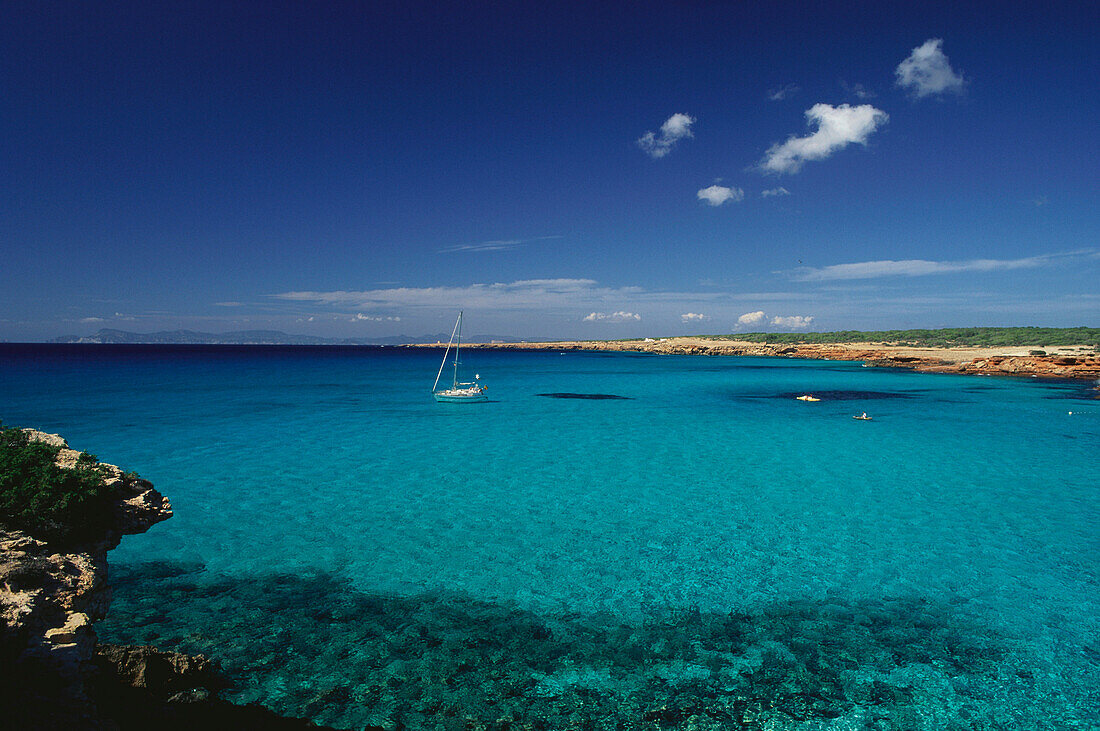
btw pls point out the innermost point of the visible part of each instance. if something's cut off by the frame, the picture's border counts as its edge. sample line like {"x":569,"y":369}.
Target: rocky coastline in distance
{"x":1076,"y":362}
{"x":57,"y":674}
{"x":110,"y":336}
{"x":1079,"y":361}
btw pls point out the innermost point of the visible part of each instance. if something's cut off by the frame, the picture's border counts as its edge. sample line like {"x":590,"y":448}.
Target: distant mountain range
{"x":248,"y":337}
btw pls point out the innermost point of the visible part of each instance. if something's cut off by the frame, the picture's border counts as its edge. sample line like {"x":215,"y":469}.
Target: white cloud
{"x":716,"y":195}
{"x":520,"y":295}
{"x":771,"y":192}
{"x":752,"y":319}
{"x":794,"y":321}
{"x":759,"y":319}
{"x":359,"y":316}
{"x":693,"y":317}
{"x":227,"y":304}
{"x":919,"y":267}
{"x":92,"y":319}
{"x":493,"y":245}
{"x":926,"y":71}
{"x":785,"y":92}
{"x":543,"y":300}
{"x":496,"y":245}
{"x":675,"y":128}
{"x":619,"y":316}
{"x":837,"y":127}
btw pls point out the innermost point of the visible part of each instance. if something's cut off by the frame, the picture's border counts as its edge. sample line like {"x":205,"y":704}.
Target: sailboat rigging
{"x":458,"y":392}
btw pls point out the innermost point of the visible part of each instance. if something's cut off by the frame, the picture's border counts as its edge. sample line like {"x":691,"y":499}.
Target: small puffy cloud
{"x":693,"y":317}
{"x":675,"y":128}
{"x":926,"y":71}
{"x":752,"y":319}
{"x":612,"y":317}
{"x":783,"y":92}
{"x":716,"y":195}
{"x":837,"y":127}
{"x":92,"y":319}
{"x":773,"y":192}
{"x":795,"y":322}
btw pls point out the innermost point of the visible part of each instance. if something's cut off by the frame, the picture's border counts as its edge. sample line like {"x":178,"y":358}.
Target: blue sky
{"x":559,"y":170}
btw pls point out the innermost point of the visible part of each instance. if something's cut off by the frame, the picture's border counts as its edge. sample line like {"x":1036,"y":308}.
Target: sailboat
{"x":458,"y":392}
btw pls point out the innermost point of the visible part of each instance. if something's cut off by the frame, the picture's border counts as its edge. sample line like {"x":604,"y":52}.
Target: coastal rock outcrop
{"x":51,"y":595}
{"x":53,"y":590}
{"x":928,"y":360}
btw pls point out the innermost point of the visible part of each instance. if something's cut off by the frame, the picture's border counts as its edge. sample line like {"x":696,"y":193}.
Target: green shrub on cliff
{"x":46,"y":501}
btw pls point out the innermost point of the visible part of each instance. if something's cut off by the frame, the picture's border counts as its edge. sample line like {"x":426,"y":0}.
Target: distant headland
{"x":1072,"y":353}
{"x":110,"y":336}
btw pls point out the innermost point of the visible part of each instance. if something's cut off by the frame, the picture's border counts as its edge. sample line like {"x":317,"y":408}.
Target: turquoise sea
{"x":704,"y":552}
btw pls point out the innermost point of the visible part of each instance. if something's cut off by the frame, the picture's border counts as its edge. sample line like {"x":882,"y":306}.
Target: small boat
{"x":807,"y":397}
{"x":863,"y":417}
{"x":458,"y":393}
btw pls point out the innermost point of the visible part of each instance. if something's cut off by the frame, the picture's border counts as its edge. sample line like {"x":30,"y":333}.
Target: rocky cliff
{"x":55,"y":676}
{"x":981,"y":361}
{"x":49,"y":598}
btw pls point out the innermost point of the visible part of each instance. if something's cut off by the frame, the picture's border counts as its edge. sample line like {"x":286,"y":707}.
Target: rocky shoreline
{"x":1075,"y":363}
{"x":57,"y":676}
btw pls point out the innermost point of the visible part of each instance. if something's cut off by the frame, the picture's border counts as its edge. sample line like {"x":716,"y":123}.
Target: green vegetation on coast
{"x":50,"y":502}
{"x":950,"y":337}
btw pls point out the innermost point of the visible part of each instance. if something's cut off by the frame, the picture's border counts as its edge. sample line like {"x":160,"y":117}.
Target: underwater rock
{"x":351,"y":659}
{"x":161,"y":673}
{"x":140,"y":687}
{"x":593,"y":396}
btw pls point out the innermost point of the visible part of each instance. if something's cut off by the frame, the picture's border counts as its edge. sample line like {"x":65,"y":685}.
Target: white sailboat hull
{"x":461,"y":395}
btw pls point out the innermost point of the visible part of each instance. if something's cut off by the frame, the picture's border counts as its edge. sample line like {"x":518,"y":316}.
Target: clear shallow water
{"x":706,"y":551}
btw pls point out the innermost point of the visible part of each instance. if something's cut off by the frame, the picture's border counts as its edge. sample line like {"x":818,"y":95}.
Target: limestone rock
{"x":160,"y":672}
{"x":53,"y":677}
{"x":929,"y":360}
{"x":49,"y":599}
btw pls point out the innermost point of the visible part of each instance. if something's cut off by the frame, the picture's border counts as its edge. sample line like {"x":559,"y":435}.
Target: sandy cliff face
{"x":49,"y":600}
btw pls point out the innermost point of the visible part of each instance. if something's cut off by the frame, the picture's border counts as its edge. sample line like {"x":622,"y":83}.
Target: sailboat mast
{"x":458,"y":344}
{"x":446,"y":353}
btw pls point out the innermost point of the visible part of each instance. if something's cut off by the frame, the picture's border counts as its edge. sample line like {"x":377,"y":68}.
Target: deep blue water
{"x":704,"y":552}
